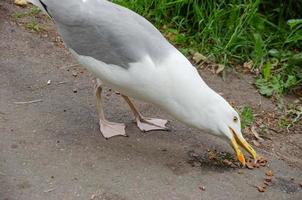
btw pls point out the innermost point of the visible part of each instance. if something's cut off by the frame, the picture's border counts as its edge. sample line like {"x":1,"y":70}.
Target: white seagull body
{"x":127,"y":53}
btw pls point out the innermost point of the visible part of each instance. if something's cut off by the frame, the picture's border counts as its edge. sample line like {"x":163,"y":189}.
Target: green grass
{"x":33,"y":11}
{"x":33,"y":26}
{"x":232,"y":32}
{"x":19,"y":15}
{"x":247,"y":116}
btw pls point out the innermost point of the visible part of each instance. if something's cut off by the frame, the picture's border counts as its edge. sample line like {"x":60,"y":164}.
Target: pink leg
{"x":143,"y":123}
{"x":108,"y":129}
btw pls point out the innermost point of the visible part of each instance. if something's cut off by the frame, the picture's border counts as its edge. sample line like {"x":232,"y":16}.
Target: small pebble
{"x":163,"y":149}
{"x":202,"y":188}
{"x":74,"y":73}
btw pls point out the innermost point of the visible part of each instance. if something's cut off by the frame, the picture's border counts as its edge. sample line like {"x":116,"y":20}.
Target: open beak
{"x":237,"y":141}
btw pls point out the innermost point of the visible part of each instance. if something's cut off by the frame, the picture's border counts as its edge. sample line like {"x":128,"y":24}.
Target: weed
{"x":292,"y":115}
{"x":33,"y":12}
{"x":284,"y":122}
{"x":247,"y":116}
{"x":33,"y":26}
{"x":19,"y":15}
{"x":280,"y":73}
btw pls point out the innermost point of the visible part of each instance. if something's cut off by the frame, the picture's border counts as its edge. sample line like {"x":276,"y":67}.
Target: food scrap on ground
{"x":267,"y":181}
{"x":251,"y":164}
{"x":222,"y":159}
{"x":261,"y":188}
{"x":269,"y":173}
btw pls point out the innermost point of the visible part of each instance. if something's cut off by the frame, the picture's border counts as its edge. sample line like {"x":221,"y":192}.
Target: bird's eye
{"x":235,"y":119}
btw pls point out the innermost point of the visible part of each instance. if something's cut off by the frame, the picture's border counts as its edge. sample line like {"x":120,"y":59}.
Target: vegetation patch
{"x":33,"y":11}
{"x":33,"y":26}
{"x":247,"y":116}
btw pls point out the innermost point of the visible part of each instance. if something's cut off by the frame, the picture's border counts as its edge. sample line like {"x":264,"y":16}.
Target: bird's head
{"x":222,"y":120}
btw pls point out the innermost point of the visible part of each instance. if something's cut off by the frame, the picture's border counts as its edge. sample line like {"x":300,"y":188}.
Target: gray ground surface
{"x":53,"y":149}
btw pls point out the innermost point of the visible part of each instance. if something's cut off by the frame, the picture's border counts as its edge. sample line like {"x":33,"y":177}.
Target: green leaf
{"x":180,"y":38}
{"x":296,"y":36}
{"x":264,"y":88}
{"x":294,"y":22}
{"x":291,"y":81}
{"x":258,"y":47}
{"x":266,"y":70}
{"x":274,"y":53}
{"x":271,"y":86}
{"x":258,"y":22}
{"x":296,"y":59}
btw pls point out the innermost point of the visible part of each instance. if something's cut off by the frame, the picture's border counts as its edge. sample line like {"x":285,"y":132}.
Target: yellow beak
{"x":236,"y":141}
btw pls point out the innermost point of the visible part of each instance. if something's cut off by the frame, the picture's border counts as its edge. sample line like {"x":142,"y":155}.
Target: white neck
{"x":187,"y":94}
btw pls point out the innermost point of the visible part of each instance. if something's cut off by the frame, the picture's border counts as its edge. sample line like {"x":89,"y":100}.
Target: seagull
{"x":128,"y":54}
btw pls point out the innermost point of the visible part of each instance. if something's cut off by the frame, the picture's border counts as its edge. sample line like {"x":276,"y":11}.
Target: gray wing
{"x":106,"y":31}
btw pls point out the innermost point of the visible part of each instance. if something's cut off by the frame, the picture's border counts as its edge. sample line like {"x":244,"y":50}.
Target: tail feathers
{"x":41,"y":4}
